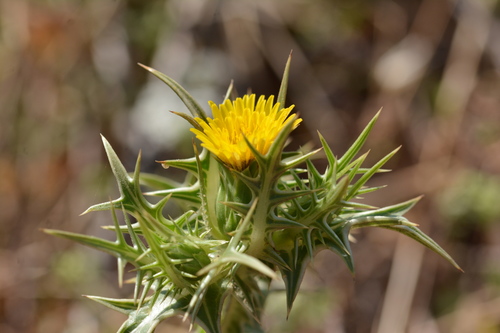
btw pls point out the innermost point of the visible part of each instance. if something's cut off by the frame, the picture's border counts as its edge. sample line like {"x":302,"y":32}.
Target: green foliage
{"x":239,"y":230}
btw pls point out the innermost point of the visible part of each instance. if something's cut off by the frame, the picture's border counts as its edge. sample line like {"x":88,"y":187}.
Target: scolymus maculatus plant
{"x":252,"y":212}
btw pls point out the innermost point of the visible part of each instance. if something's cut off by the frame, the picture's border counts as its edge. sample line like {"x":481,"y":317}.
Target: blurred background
{"x":69,"y":72}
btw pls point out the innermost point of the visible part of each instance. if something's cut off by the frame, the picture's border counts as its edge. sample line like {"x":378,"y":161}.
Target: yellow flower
{"x":233,"y":120}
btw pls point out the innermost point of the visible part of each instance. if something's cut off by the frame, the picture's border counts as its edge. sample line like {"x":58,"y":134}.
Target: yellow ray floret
{"x":259,"y":122}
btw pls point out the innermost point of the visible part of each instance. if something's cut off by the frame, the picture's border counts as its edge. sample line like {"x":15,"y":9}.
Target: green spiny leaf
{"x":314,"y":176}
{"x":125,"y":306}
{"x":278,"y":223}
{"x":279,"y":197}
{"x":307,"y":237}
{"x":115,"y":249}
{"x":189,"y":195}
{"x":298,"y":160}
{"x":188,"y":164}
{"x":229,"y":91}
{"x":356,"y":146}
{"x":332,"y":236}
{"x":297,"y":260}
{"x":209,"y":314}
{"x":234,"y":257}
{"x":188,"y":100}
{"x":419,"y":236}
{"x":125,"y":182}
{"x":398,"y":209}
{"x":189,"y":119}
{"x":239,"y":207}
{"x":331,"y":172}
{"x":254,"y":296}
{"x":379,"y":221}
{"x":352,"y":168}
{"x":146,"y":318}
{"x":157,"y":182}
{"x":284,"y":83}
{"x":364,"y":178}
{"x":334,"y":196}
{"x":273,"y":257}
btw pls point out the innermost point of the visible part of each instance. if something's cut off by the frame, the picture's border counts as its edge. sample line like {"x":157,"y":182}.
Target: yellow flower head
{"x":233,"y":120}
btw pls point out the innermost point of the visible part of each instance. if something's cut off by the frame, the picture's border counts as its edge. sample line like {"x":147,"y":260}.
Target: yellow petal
{"x":260,"y":122}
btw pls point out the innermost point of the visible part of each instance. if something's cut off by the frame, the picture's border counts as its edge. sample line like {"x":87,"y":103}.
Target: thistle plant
{"x":252,"y":212}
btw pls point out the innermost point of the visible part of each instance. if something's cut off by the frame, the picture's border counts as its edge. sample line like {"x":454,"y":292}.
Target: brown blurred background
{"x":68,"y":72}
